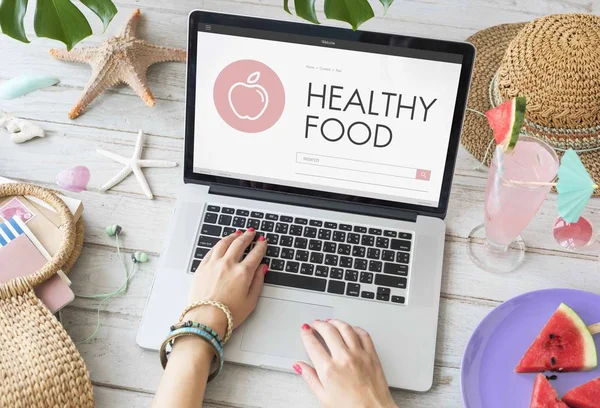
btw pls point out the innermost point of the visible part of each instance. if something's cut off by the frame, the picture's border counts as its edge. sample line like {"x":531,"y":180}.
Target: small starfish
{"x":135,"y":165}
{"x":123,"y":58}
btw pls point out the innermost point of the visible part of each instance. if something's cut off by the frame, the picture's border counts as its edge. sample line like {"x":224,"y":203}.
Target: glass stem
{"x":494,"y":247}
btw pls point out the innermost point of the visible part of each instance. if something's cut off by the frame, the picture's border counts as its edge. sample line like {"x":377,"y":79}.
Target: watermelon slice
{"x":565,"y":344}
{"x":506,"y":121}
{"x":584,"y":396}
{"x":544,"y":395}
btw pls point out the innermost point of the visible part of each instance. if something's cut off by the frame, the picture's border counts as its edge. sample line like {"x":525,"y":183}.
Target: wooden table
{"x":125,"y":375}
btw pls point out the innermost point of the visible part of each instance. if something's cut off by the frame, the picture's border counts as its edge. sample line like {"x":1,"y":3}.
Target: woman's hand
{"x":224,"y":277}
{"x":352,"y":375}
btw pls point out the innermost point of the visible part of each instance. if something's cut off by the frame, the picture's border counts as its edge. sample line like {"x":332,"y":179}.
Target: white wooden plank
{"x":114,"y":359}
{"x":109,"y":111}
{"x":539,"y":271}
{"x":114,"y":398}
{"x":116,"y":338}
{"x":99,"y":271}
{"x":68,"y":145}
{"x":166,"y":81}
{"x":454,"y":20}
{"x":446,"y":390}
{"x":454,"y":14}
{"x":537,"y":6}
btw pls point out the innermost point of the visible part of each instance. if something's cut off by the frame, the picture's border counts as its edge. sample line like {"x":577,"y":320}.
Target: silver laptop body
{"x":370,"y":261}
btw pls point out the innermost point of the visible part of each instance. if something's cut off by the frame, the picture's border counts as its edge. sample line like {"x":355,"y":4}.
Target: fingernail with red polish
{"x":297,"y":368}
{"x":327,"y":320}
{"x":238,"y":232}
{"x":261,"y":238}
{"x":251,"y":229}
{"x":265,"y":269}
{"x":305,"y":327}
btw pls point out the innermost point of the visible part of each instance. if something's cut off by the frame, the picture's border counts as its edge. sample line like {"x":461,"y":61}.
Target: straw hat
{"x":554,"y":62}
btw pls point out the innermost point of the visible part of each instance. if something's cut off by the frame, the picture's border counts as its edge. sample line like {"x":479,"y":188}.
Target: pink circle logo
{"x":249,"y":96}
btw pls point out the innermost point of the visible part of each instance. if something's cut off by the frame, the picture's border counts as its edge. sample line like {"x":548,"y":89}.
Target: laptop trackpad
{"x":274,"y":327}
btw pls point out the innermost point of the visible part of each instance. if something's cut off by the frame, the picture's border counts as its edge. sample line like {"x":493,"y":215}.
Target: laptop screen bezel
{"x":466,"y":50}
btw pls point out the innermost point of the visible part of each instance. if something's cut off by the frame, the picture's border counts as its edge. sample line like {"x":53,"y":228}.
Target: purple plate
{"x":498,"y":343}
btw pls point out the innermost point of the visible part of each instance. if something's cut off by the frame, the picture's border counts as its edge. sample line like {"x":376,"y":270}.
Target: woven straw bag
{"x":39,"y":364}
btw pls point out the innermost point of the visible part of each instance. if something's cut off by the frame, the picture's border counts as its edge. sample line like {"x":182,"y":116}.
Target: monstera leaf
{"x":353,"y":12}
{"x":56,"y":19}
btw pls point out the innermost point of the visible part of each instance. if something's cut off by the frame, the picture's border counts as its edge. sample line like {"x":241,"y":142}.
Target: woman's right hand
{"x":352,"y":375}
{"x":225,"y":277}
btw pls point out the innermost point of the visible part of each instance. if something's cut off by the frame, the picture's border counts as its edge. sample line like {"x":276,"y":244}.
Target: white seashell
{"x":20,"y":130}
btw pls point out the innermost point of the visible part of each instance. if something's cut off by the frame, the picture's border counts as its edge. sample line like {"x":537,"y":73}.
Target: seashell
{"x":24,"y":84}
{"x":20,"y":130}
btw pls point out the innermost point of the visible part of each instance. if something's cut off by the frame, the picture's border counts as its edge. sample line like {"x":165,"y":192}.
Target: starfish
{"x":134,"y":165}
{"x":123,"y":58}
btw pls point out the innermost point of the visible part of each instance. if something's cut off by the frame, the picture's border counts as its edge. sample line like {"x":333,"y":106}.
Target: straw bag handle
{"x":18,"y":286}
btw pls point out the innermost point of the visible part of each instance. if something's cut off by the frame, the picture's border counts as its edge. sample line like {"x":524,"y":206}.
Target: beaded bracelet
{"x":204,"y":327}
{"x":192,"y":331}
{"x":214,"y":303}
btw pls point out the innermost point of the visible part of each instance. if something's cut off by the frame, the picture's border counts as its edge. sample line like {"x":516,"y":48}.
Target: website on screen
{"x":324,"y":118}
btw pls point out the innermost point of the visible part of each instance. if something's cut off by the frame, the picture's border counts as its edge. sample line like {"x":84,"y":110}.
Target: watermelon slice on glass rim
{"x":506,"y":120}
{"x":564,"y":344}
{"x":584,"y":396}
{"x":544,"y":395}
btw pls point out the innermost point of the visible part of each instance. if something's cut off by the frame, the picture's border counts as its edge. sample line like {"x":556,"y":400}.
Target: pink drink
{"x":509,"y":203}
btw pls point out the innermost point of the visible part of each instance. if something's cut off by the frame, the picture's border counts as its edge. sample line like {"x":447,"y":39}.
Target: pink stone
{"x":75,"y":179}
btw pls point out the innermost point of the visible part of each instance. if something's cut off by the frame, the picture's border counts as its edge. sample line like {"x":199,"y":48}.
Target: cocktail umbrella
{"x":575,"y":187}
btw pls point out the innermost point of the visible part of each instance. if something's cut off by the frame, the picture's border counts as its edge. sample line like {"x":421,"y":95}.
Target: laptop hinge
{"x":313,"y":202}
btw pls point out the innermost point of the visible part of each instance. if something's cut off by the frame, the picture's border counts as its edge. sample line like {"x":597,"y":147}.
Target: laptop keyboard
{"x":318,"y":255}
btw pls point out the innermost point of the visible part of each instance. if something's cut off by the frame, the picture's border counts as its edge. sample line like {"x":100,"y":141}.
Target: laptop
{"x":339,"y":146}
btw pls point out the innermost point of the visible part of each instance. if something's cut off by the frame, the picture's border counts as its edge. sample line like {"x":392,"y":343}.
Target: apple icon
{"x":241,"y":102}
{"x":248,"y":96}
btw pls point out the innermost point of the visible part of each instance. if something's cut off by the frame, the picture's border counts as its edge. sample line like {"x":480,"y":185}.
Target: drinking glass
{"x":517,"y":185}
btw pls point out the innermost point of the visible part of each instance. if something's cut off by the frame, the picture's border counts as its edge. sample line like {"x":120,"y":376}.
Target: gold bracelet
{"x":216,"y":304}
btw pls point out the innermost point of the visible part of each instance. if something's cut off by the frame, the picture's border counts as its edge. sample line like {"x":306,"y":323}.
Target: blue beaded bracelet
{"x":193,"y":331}
{"x":204,"y":327}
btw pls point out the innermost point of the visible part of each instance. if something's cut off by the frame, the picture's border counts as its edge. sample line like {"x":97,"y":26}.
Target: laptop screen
{"x":336,"y":116}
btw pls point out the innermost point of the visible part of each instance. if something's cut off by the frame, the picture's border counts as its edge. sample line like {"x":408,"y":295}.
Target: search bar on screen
{"x":362,"y":166}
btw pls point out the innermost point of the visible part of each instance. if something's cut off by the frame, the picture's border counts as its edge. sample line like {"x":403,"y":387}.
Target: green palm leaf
{"x":386,"y":3}
{"x":353,"y":12}
{"x":104,"y":9}
{"x":56,"y":19}
{"x":304,"y":9}
{"x":60,"y":20}
{"x":12,"y":13}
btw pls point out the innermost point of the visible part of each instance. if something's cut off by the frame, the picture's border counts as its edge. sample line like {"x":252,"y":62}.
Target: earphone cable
{"x":121,"y":289}
{"x":108,"y":296}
